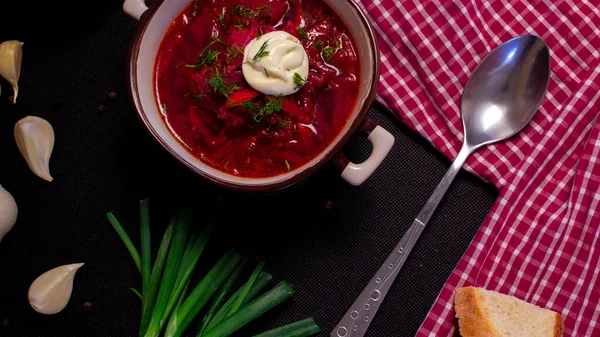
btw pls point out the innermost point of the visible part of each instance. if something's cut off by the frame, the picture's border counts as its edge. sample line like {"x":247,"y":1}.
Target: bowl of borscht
{"x":257,"y":95}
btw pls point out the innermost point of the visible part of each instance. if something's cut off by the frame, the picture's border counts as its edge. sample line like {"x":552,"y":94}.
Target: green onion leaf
{"x":153,"y":285}
{"x":170,"y":273}
{"x":246,"y":289}
{"x":196,"y":301}
{"x":221,"y":296}
{"x":304,"y":328}
{"x":263,"y":280}
{"x":188,"y":266}
{"x":135,"y":291}
{"x":279,"y":294}
{"x":126,"y":240}
{"x":145,"y":244}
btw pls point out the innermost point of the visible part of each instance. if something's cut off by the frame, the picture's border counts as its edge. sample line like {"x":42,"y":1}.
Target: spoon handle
{"x":360,"y":315}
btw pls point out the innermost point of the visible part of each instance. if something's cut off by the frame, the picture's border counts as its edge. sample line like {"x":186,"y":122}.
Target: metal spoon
{"x":499,"y":100}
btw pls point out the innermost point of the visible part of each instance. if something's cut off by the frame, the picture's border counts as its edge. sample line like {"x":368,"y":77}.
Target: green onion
{"x":279,"y":294}
{"x":135,"y":291}
{"x":155,"y":277}
{"x":263,"y":280}
{"x":189,"y":265}
{"x":221,"y":296}
{"x":182,"y":296}
{"x":170,"y":274}
{"x":304,"y":328}
{"x":196,"y":301}
{"x":145,"y":243}
{"x":247,"y":287}
{"x":126,"y":240}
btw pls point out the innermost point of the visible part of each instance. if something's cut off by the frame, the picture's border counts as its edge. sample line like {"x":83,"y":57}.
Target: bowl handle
{"x":135,"y":8}
{"x":382,"y":141}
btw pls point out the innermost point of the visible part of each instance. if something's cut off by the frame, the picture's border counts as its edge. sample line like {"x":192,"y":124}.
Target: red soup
{"x":210,"y":107}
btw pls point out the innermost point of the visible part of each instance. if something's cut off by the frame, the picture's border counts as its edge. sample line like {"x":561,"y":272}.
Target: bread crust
{"x":559,"y":325}
{"x":471,"y":321}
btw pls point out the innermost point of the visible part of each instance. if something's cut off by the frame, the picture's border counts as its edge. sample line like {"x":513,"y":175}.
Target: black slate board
{"x":325,"y":237}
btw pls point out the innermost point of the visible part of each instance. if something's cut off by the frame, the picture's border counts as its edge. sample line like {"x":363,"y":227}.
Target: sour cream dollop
{"x":272,"y":60}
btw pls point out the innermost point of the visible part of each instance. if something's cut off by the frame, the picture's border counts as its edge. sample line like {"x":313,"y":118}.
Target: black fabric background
{"x":325,"y":237}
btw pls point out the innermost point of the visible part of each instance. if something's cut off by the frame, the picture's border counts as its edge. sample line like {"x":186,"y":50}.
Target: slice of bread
{"x":486,"y":313}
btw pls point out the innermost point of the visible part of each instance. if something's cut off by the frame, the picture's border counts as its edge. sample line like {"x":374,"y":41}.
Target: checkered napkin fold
{"x":541,"y":240}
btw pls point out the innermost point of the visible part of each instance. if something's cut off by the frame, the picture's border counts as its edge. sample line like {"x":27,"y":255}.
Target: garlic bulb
{"x":35,"y":140}
{"x":51,"y":291}
{"x":8,"y":212}
{"x":11,"y":55}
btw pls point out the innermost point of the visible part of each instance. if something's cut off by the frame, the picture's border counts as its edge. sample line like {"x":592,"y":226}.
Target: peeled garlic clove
{"x":11,"y":55}
{"x":51,"y":291}
{"x":35,"y":140}
{"x":8,"y":212}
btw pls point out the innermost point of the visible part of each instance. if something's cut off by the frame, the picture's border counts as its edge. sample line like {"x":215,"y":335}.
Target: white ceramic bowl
{"x":147,"y":38}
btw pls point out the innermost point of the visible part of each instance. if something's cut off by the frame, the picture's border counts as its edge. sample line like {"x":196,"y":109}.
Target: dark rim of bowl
{"x":135,"y":102}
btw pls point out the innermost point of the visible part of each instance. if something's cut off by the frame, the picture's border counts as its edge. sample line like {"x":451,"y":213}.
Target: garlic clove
{"x":51,"y":291}
{"x":8,"y":212}
{"x":11,"y":56}
{"x":35,"y":140}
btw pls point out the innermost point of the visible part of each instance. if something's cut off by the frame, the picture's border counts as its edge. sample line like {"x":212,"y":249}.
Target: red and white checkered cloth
{"x":541,"y":241}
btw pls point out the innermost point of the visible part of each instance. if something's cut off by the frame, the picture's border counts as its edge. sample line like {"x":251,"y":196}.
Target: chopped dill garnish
{"x":285,"y":124}
{"x":262,"y":52}
{"x":240,"y":10}
{"x":328,"y":53}
{"x":302,"y":33}
{"x":190,"y":66}
{"x":211,"y":57}
{"x":273,"y":105}
{"x":251,"y":106}
{"x":266,"y":8}
{"x":318,"y":45}
{"x":198,"y":97}
{"x":233,"y":51}
{"x":218,"y":84}
{"x":328,"y":88}
{"x":208,"y":56}
{"x":238,"y":26}
{"x":287,"y":165}
{"x":222,"y":15}
{"x":164,"y":109}
{"x":247,"y":12}
{"x":338,"y":44}
{"x":299,"y":81}
{"x":267,"y":73}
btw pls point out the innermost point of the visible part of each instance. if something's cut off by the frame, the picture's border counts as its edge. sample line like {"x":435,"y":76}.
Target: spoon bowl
{"x":505,"y":90}
{"x":501,"y":97}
